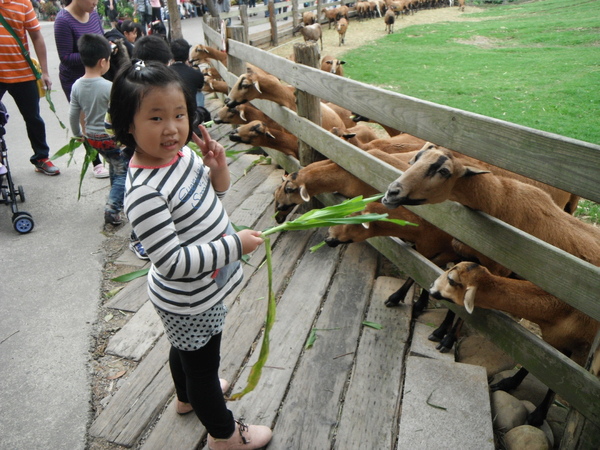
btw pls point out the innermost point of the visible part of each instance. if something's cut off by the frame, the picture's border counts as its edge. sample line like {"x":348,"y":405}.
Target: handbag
{"x":33,"y":63}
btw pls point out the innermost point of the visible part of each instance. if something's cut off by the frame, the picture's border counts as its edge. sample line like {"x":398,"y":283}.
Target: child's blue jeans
{"x":118,"y":163}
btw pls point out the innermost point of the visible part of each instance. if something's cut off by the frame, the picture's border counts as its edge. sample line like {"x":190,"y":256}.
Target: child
{"x":91,"y":94}
{"x":172,"y":202}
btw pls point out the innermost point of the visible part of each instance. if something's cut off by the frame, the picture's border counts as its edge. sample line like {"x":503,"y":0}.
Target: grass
{"x":536,"y":64}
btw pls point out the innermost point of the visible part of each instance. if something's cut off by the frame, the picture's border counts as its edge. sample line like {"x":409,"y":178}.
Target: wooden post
{"x":236,"y":65}
{"x":309,"y":106}
{"x":295,"y":15}
{"x":580,"y":433}
{"x":244,"y":19}
{"x":273,"y":22}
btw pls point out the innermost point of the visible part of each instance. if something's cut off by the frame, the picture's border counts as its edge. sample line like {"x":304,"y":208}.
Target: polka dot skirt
{"x":193,"y":332}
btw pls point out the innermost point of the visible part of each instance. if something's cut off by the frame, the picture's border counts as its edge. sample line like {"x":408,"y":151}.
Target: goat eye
{"x":444,"y":172}
{"x":451,"y":282}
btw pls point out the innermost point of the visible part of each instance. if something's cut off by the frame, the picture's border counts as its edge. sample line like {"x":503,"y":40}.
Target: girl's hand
{"x":250,"y":240}
{"x":213,"y":153}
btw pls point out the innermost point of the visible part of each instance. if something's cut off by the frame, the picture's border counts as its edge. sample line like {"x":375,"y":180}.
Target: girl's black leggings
{"x":196,"y":377}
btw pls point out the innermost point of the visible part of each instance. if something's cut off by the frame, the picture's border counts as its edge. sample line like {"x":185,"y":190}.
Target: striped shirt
{"x":181,"y":222}
{"x":20,"y":16}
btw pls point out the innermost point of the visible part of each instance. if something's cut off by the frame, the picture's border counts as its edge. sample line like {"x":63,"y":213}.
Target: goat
{"x":401,"y":143}
{"x":342,"y":11}
{"x":243,"y":114}
{"x":562,"y":326}
{"x":362,"y":132}
{"x":325,"y":176}
{"x":437,"y":174}
{"x":345,"y":114}
{"x":308,"y":18}
{"x":391,"y":131}
{"x":201,"y":54}
{"x":257,"y":134}
{"x":330,"y":15}
{"x":311,"y":32}
{"x":389,"y":20}
{"x":257,"y":83}
{"x":212,"y":85}
{"x":342,"y":27}
{"x":212,"y":72}
{"x":332,"y":65}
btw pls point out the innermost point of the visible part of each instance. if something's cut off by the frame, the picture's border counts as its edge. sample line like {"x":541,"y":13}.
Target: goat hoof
{"x":391,"y":303}
{"x":443,"y":348}
{"x":433,"y":338}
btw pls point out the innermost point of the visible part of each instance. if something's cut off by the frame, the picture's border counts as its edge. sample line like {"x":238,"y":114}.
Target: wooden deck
{"x":343,"y":393}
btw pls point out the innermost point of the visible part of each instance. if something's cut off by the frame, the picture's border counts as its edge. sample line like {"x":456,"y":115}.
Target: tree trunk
{"x":174,"y":20}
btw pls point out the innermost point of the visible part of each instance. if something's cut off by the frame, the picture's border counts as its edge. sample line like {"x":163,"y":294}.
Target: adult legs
{"x":27,"y":98}
{"x":195,"y":374}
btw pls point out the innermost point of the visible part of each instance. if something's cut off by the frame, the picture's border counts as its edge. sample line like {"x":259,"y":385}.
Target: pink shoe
{"x":182,"y":408}
{"x":100,"y":171}
{"x":245,"y":437}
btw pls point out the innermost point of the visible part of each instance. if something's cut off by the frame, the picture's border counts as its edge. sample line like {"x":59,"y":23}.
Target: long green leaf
{"x":256,"y":370}
{"x":131,"y":276}
{"x":53,"y":109}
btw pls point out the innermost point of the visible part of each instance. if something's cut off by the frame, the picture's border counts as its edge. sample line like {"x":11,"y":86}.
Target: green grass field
{"x":534,"y":63}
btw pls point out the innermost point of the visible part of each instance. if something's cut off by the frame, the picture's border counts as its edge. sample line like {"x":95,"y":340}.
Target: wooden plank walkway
{"x":343,"y":393}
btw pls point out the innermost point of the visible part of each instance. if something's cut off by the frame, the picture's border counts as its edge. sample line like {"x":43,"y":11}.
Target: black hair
{"x":128,"y":90}
{"x":180,"y":49}
{"x":93,"y":48}
{"x":127,"y":26}
{"x":152,"y":48}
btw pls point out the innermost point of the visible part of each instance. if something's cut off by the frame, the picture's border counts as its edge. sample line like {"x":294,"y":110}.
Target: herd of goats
{"x":432,"y":174}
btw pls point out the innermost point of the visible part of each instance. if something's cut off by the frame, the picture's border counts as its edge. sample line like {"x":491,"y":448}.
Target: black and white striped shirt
{"x":181,"y":222}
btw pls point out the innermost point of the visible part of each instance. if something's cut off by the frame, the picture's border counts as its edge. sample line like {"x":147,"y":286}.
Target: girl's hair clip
{"x":139,"y":64}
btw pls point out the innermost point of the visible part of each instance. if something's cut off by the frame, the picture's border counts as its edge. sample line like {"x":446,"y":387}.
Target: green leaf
{"x":53,"y":109}
{"x":312,"y":337}
{"x":73,"y":144}
{"x":375,"y":325}
{"x":256,"y":371}
{"x":131,"y":276}
{"x":314,"y":248}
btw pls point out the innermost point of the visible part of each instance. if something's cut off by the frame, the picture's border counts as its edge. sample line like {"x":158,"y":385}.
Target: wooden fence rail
{"x":566,"y":163}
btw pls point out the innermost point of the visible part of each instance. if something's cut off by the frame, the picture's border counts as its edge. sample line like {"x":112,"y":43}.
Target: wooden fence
{"x":566,"y":163}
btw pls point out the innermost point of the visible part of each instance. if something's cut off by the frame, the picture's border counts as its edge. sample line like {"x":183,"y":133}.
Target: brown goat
{"x":243,"y":114}
{"x":202,"y":54}
{"x":438,"y":174}
{"x":342,"y":27}
{"x":389,"y":18}
{"x":212,"y":85}
{"x":257,"y":134}
{"x":311,"y":32}
{"x":257,"y":83}
{"x":308,"y":18}
{"x":362,"y":132}
{"x":562,"y":326}
{"x":332,"y":65}
{"x":330,"y":15}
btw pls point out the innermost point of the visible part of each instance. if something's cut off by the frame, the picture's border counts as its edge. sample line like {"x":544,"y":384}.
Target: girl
{"x":172,"y":201}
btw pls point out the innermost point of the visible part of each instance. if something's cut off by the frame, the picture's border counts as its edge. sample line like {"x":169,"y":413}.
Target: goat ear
{"x":304,"y":193}
{"x":469,"y":298}
{"x":474,"y":170}
{"x":342,"y":62}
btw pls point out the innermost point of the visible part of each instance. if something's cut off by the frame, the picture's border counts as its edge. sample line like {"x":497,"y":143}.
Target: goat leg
{"x":441,"y":331}
{"x":400,"y":294}
{"x":510,"y":383}
{"x":450,"y":339}
{"x":537,"y":417}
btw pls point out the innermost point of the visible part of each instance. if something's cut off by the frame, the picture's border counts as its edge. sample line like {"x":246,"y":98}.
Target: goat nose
{"x":332,"y":242}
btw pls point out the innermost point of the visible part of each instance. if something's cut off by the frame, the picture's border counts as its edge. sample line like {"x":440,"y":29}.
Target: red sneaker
{"x":45,"y":166}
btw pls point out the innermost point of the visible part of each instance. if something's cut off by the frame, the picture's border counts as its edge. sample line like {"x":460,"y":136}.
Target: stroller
{"x":22,"y":221}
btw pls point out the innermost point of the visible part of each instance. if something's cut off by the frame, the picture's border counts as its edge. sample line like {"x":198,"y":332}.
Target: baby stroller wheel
{"x":22,"y":222}
{"x":21,"y":193}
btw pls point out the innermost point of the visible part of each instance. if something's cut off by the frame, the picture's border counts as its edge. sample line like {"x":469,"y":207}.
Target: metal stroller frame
{"x":22,"y":221}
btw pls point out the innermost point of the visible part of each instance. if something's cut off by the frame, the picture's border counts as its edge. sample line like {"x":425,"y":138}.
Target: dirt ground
{"x":106,"y":370}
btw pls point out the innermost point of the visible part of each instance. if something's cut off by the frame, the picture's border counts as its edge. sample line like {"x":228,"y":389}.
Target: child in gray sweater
{"x":90,"y":96}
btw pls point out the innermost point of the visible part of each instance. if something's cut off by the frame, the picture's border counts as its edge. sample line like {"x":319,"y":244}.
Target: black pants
{"x":27,"y":98}
{"x":196,"y":378}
